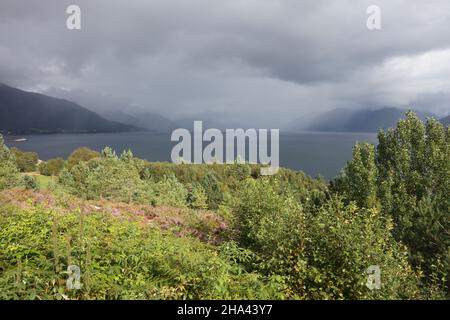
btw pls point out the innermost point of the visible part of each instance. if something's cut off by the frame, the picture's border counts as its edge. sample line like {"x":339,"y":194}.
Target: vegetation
{"x":30,"y":183}
{"x":9,"y":173}
{"x":52,"y":167}
{"x":26,"y":161}
{"x":141,"y":230}
{"x":81,"y":155}
{"x":408,"y":178}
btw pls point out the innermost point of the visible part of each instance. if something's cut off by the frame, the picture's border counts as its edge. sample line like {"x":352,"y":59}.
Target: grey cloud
{"x":269,"y":61}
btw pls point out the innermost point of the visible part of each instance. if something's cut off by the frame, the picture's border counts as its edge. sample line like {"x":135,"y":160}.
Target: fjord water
{"x":316,"y":153}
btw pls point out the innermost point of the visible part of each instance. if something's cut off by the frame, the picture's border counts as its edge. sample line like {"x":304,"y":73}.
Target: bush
{"x":197,"y":198}
{"x":30,"y":183}
{"x":9,"y":173}
{"x":210,"y":184}
{"x":409,"y":179}
{"x":323,"y":253}
{"x":81,"y":155}
{"x":358,"y":180}
{"x":108,"y":177}
{"x":168,"y":192}
{"x":267,"y":222}
{"x":118,"y":259}
{"x":341,"y":242}
{"x":52,"y":167}
{"x":26,"y":161}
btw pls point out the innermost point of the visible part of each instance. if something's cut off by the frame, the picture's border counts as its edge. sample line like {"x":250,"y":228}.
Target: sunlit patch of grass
{"x":42,"y":181}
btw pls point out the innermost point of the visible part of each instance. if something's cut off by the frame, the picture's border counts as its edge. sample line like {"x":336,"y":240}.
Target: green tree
{"x":9,"y":173}
{"x":358,"y":180}
{"x":323,"y":253}
{"x":341,"y":243}
{"x":412,"y":186}
{"x":197,"y":198}
{"x":414,"y":165}
{"x":169,"y":192}
{"x":81,"y":154}
{"x":106,"y":177}
{"x":30,"y":183}
{"x":211,"y":186}
{"x":52,"y":167}
{"x":26,"y":161}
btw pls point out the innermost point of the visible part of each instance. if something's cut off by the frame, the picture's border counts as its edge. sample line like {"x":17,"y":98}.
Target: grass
{"x":42,"y":181}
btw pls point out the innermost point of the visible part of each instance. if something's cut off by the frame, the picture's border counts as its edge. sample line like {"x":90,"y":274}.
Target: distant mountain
{"x":148,"y":120}
{"x":346,"y":120}
{"x":218,"y":120}
{"x":24,"y":112}
{"x":446,"y":121}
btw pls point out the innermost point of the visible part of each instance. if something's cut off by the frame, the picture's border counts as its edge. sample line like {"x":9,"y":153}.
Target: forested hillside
{"x":24,"y":112}
{"x":141,"y":230}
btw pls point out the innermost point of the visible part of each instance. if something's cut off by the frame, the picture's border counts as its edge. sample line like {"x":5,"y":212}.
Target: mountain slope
{"x":345,"y":120}
{"x":148,"y":120}
{"x":446,"y":121}
{"x":24,"y":112}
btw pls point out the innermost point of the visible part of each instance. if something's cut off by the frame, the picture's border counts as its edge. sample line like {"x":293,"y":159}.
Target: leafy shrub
{"x":30,"y":183}
{"x":210,"y":184}
{"x":341,"y":242}
{"x":81,"y":154}
{"x":358,"y":181}
{"x":9,"y":173}
{"x":52,"y":167}
{"x":267,"y":222}
{"x":409,"y":178}
{"x":118,"y":259}
{"x":324,"y":253}
{"x":168,"y":192}
{"x":197,"y":198}
{"x":26,"y":161}
{"x":108,"y":177}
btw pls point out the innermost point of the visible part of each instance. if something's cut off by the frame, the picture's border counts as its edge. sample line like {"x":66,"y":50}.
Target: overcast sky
{"x":268,"y":60}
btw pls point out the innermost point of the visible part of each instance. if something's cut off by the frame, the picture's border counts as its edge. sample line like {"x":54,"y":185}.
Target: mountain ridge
{"x":367,"y":120}
{"x":148,"y":120}
{"x":446,"y":120}
{"x":24,"y":112}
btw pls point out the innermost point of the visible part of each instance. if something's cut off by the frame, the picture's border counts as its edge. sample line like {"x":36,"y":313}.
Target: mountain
{"x":156,"y":122}
{"x":148,"y":120}
{"x":24,"y":112}
{"x":346,"y":120}
{"x":446,"y":120}
{"x":218,"y":120}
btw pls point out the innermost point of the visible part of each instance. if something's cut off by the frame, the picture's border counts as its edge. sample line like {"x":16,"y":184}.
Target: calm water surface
{"x":313,"y":152}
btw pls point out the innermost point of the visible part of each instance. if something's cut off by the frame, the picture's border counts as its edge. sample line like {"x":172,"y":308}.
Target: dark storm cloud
{"x":264,"y":59}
